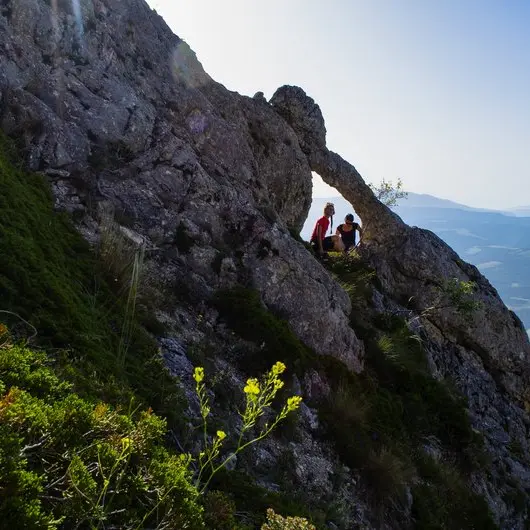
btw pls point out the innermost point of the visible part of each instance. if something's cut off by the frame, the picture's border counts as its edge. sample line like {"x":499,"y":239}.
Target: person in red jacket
{"x":319,"y":241}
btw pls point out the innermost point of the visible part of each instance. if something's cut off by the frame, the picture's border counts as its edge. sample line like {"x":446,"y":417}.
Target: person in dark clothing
{"x":346,"y":232}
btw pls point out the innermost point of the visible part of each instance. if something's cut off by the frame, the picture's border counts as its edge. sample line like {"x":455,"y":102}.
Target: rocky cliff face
{"x":115,"y":108}
{"x":121,"y":117}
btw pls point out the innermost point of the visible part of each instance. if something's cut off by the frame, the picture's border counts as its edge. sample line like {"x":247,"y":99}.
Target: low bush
{"x":69,"y":462}
{"x":277,"y":522}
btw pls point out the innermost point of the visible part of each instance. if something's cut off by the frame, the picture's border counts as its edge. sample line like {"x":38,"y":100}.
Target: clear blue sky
{"x":436,"y":92}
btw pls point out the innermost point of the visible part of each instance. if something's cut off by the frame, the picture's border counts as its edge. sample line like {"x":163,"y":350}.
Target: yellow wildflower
{"x":126,"y":443}
{"x":221,"y":435}
{"x":293,"y":403}
{"x":278,"y":383}
{"x":198,"y":374}
{"x":252,"y":387}
{"x":278,"y":368}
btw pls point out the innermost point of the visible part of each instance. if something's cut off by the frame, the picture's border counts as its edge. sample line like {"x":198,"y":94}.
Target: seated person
{"x":346,"y":232}
{"x":320,"y":243}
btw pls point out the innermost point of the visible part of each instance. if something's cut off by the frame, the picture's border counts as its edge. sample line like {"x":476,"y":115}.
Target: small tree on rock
{"x":388,"y":192}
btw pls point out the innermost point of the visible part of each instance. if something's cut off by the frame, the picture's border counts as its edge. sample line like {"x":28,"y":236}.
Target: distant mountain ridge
{"x":497,"y":242}
{"x":520,"y":211}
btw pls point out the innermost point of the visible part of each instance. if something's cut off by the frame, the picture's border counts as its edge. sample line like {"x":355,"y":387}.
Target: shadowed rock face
{"x":486,"y":354}
{"x":119,"y":113}
{"x":413,"y":263}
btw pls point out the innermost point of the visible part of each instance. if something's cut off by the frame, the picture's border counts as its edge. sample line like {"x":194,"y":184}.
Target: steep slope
{"x":115,"y":108}
{"x":496,"y":243}
{"x":120,"y":116}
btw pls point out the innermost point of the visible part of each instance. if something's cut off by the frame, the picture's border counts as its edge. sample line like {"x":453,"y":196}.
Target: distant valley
{"x":498,"y":243}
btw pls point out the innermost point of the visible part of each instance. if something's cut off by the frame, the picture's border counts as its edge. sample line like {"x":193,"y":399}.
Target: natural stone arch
{"x":305,"y":117}
{"x":413,"y":263}
{"x":342,"y":208}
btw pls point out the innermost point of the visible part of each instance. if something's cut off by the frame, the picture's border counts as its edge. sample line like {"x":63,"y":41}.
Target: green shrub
{"x":219,"y":511}
{"x":277,"y":522}
{"x":244,"y":312}
{"x":67,"y":462}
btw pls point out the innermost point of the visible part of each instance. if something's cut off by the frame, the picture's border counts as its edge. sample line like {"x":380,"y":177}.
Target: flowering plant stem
{"x":259,"y":398}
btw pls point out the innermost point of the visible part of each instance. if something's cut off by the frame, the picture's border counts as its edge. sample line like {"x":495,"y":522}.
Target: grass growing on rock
{"x":245,"y":314}
{"x":50,"y":278}
{"x":381,"y":420}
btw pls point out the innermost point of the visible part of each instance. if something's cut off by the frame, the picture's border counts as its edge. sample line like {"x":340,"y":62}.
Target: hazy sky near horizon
{"x":436,"y":93}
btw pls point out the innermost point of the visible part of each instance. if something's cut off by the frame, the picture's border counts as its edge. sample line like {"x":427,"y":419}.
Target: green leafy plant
{"x":68,"y":462}
{"x":454,"y":294}
{"x":277,"y":522}
{"x":259,"y":396}
{"x":388,"y":192}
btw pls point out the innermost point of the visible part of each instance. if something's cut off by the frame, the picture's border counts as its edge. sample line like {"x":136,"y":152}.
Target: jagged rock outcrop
{"x":115,"y":108}
{"x":487,"y":354}
{"x":412,"y":262}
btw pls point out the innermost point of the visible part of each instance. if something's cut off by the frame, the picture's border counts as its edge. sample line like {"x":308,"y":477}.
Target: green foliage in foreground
{"x":67,"y":462}
{"x":49,"y":277}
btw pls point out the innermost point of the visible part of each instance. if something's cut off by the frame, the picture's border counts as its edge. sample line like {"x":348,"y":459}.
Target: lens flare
{"x":76,"y":7}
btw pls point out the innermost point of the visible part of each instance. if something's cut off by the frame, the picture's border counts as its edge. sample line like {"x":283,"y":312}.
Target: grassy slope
{"x":49,"y":277}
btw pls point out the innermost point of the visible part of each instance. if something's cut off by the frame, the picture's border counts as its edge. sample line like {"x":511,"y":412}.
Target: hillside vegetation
{"x":83,"y":419}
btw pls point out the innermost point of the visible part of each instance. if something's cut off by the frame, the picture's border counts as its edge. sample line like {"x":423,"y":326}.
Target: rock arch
{"x":412,"y":262}
{"x":305,"y":117}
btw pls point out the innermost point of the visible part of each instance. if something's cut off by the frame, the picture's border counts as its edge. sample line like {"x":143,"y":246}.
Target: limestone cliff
{"x":121,"y":117}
